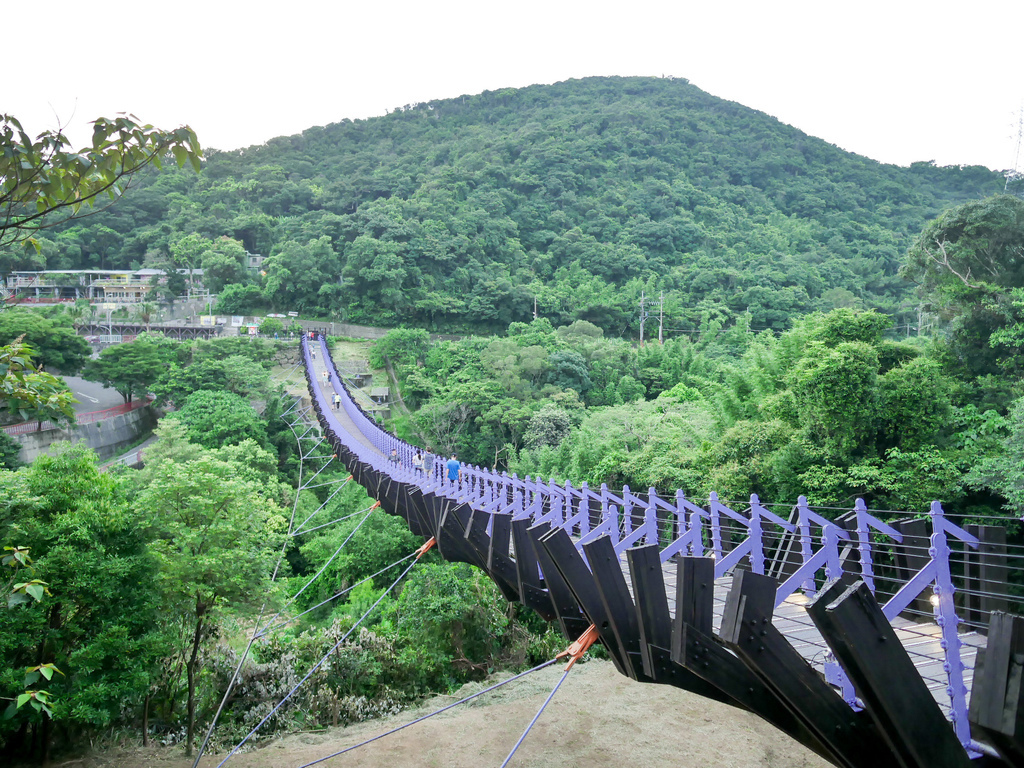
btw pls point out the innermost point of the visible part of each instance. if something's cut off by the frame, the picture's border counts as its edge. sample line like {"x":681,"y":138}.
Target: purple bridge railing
{"x":918,"y":565}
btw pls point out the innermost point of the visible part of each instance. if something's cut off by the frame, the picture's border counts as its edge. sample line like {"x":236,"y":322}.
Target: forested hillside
{"x":459,"y":214}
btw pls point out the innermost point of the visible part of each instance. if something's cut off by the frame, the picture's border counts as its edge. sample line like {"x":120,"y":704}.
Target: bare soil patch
{"x":598,"y":719}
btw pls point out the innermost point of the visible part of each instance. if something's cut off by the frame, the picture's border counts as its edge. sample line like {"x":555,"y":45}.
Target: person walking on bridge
{"x":454,"y":469}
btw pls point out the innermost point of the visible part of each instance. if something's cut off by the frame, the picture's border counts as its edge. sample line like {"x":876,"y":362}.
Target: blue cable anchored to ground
{"x":431,"y":714}
{"x":419,"y":553}
{"x":575,"y":651}
{"x":536,"y":717}
{"x":322,"y":568}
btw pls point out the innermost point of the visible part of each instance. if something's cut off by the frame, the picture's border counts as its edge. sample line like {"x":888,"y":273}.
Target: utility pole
{"x":661,"y":319}
{"x":1015,"y":176}
{"x":643,"y":316}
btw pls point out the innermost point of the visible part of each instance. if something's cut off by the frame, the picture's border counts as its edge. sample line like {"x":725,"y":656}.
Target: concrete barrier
{"x":107,"y":438}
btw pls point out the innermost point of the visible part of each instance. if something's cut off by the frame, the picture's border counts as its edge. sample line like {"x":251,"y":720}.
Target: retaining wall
{"x":108,"y":437}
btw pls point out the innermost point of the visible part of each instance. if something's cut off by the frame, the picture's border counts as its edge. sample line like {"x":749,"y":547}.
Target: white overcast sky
{"x":897,"y":81}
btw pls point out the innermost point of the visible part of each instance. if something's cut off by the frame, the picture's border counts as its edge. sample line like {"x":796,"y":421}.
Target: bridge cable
{"x":263,"y":607}
{"x":268,"y":628}
{"x":419,"y":553}
{"x":537,"y":716}
{"x":327,"y":501}
{"x":431,"y":714}
{"x":330,"y":560}
{"x":574,"y":652}
{"x":300,"y":531}
{"x":325,"y":466}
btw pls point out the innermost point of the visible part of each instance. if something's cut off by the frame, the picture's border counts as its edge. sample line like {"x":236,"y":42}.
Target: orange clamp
{"x":425,"y":548}
{"x":374,"y":505}
{"x":579,"y":647}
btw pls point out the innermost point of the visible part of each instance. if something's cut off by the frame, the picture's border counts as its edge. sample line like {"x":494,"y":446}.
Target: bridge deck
{"x":922,"y":640}
{"x":339,"y":413}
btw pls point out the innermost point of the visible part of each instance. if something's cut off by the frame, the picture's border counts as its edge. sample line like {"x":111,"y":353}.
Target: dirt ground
{"x":598,"y":718}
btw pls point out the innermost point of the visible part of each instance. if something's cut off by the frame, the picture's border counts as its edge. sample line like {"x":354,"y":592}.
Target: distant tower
{"x":1015,"y":176}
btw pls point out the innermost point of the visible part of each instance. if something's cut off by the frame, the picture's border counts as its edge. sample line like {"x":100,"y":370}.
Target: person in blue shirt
{"x":453,"y":469}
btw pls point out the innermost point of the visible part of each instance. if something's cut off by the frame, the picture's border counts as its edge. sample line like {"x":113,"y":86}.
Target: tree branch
{"x":944,"y":262}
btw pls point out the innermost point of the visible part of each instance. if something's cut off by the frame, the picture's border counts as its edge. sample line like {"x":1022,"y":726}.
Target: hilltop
{"x":460,"y":213}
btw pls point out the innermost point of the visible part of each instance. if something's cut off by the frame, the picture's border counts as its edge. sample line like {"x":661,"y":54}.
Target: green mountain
{"x":461,"y":213}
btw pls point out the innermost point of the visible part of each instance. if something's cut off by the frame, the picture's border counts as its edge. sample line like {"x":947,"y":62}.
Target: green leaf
{"x":25,"y":697}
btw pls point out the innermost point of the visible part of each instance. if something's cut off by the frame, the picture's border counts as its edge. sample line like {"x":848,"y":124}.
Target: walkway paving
{"x":339,"y":413}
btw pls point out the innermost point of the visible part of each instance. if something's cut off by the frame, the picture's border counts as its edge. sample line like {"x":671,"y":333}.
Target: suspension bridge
{"x":875,"y":639}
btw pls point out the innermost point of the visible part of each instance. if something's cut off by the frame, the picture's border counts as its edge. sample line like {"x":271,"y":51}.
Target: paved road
{"x":92,"y":396}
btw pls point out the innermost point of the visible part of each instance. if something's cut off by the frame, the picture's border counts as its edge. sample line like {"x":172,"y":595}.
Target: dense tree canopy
{"x":215,"y":418}
{"x":969,"y":265}
{"x":465,"y":213}
{"x":52,"y":336}
{"x":131,"y":368}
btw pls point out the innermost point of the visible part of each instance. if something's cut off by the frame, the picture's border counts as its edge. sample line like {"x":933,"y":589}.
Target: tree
{"x":237,"y":374}
{"x":215,"y":536}
{"x":568,"y":370}
{"x":240,"y":300}
{"x":271,"y":326}
{"x":381,"y":540}
{"x":55,"y":343}
{"x":836,"y":390}
{"x":298,"y":273}
{"x":453,"y":618}
{"x":1004,"y":472}
{"x":43,"y":182}
{"x":144,"y":311}
{"x":967,"y":263}
{"x":10,"y":452}
{"x":78,"y":312}
{"x":548,"y":426}
{"x":443,"y":423}
{"x":97,"y":623}
{"x":27,"y":392}
{"x":215,"y":418}
{"x":130,"y":368}
{"x":223,"y":263}
{"x":402,"y":346}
